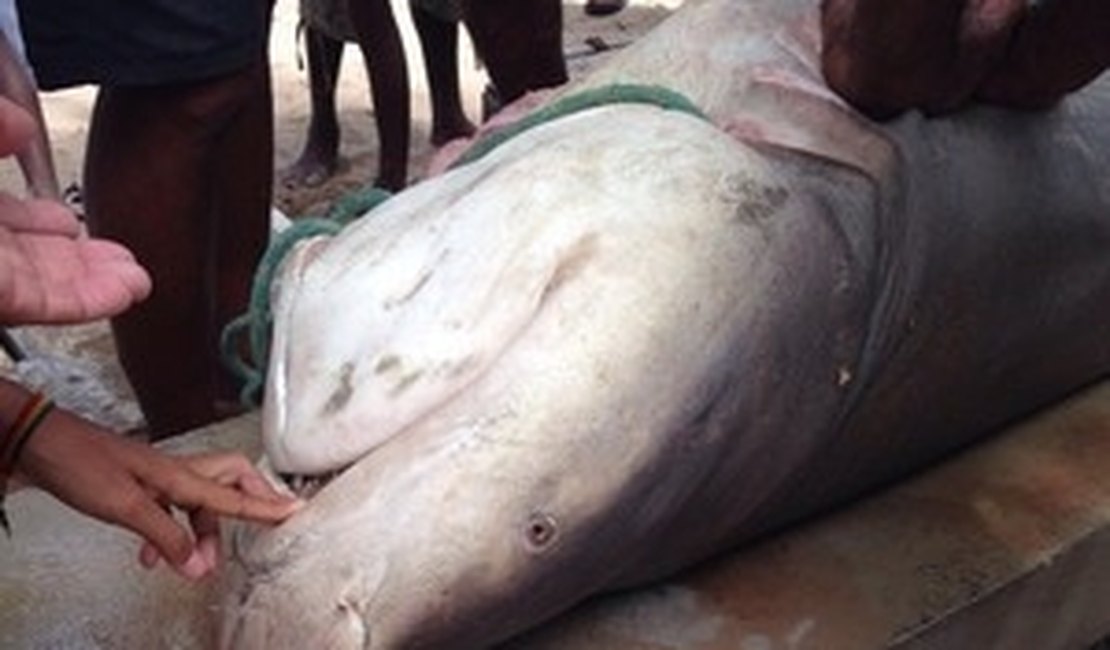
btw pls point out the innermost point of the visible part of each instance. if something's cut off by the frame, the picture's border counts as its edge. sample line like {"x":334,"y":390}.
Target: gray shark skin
{"x":630,"y":339}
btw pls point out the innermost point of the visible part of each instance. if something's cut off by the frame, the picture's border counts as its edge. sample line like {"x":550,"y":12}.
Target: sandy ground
{"x":77,"y":364}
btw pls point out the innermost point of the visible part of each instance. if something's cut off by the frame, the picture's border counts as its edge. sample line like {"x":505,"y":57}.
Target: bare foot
{"x":319,"y":160}
{"x":451,"y":129}
{"x":312,"y":169}
{"x":391,"y":179}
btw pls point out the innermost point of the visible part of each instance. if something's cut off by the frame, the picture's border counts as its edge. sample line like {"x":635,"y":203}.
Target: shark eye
{"x":540,"y":531}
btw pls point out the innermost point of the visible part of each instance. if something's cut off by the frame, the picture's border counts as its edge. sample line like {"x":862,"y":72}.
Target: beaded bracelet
{"x":15,"y":437}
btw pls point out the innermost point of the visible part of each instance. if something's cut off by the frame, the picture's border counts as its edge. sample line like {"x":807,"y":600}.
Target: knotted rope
{"x":249,"y":365}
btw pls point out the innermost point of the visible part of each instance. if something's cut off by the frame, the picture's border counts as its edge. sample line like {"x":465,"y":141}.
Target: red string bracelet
{"x":15,"y":437}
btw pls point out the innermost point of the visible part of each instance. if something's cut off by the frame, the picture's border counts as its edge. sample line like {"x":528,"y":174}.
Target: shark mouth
{"x":306,"y":486}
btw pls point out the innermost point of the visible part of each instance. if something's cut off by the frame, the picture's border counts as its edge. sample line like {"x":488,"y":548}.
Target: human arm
{"x":130,"y":484}
{"x":35,"y":158}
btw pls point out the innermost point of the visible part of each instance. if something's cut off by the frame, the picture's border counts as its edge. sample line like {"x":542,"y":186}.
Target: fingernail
{"x":210,"y":552}
{"x":195,"y":567}
{"x":148,"y":557}
{"x":292,"y":504}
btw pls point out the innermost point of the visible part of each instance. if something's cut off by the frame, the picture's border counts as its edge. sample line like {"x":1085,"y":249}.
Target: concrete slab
{"x":68,"y":582}
{"x":1005,"y":546}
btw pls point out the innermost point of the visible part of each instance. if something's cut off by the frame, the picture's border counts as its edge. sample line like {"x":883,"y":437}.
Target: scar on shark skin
{"x":397,"y":301}
{"x":406,"y":380}
{"x":571,"y":264}
{"x":343,"y":391}
{"x":758,"y":202}
{"x":391,"y":364}
{"x":386,"y":363}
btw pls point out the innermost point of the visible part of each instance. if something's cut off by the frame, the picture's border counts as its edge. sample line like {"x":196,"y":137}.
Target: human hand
{"x":132,"y":485}
{"x":888,"y":56}
{"x":1059,"y":47}
{"x":49,"y":272}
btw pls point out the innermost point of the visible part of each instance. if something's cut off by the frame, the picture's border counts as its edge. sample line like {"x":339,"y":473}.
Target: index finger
{"x":191,"y":490}
{"x":233,"y":469}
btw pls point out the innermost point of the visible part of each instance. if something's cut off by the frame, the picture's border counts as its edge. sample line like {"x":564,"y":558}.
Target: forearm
{"x":12,"y":398}
{"x":36,"y":160}
{"x":22,"y":413}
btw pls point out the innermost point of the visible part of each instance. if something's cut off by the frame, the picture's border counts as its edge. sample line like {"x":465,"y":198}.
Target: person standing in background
{"x":328,"y":25}
{"x":178,"y":168}
{"x":519,"y":41}
{"x":521,"y":44}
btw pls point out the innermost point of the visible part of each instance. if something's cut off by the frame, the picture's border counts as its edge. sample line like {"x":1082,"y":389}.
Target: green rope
{"x":257,"y":322}
{"x":355,"y":204}
{"x":592,"y":98}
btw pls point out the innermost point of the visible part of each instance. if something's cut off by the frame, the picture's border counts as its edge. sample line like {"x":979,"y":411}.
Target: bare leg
{"x":521,"y":42}
{"x":320,"y":156}
{"x":439,"y":41}
{"x":157,"y":179}
{"x":384,"y":55}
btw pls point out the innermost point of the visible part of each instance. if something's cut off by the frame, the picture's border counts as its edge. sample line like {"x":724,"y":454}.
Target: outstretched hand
{"x":51,"y":274}
{"x":49,"y":271}
{"x":130,"y":484}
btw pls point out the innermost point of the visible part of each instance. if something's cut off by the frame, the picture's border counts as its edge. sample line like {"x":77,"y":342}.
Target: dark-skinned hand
{"x":889,"y":56}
